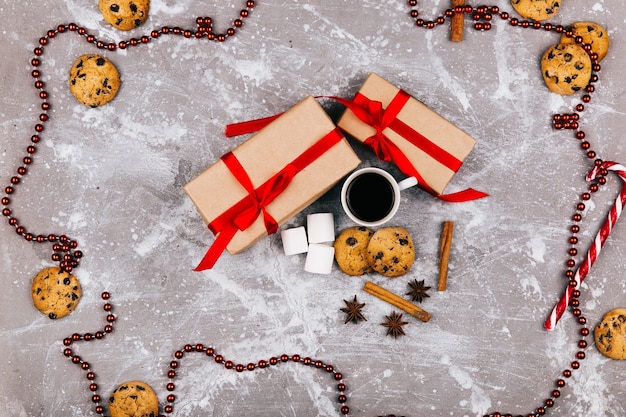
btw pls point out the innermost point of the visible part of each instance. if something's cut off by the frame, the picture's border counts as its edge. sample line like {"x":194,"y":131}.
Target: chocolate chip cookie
{"x":351,"y":250}
{"x":610,"y":334}
{"x":592,"y":34}
{"x":133,"y":399}
{"x":536,"y":9}
{"x":124,"y":14}
{"x":566,"y":68}
{"x":55,"y":293}
{"x":391,"y":251}
{"x":94,"y":80}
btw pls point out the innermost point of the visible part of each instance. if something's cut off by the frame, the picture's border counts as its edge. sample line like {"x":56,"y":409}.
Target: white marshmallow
{"x":320,"y":227}
{"x":319,"y":259}
{"x":294,"y":241}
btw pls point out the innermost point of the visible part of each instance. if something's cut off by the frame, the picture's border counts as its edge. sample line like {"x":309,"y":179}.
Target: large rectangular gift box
{"x":275,"y":174}
{"x":403,"y":130}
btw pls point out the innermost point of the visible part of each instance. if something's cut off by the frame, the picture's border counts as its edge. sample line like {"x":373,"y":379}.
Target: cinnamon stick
{"x":397,"y":301}
{"x":457,"y":23}
{"x":444,"y":253}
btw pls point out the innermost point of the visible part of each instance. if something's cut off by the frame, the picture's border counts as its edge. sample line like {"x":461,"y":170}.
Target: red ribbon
{"x":372,"y":113}
{"x":249,"y":126}
{"x":245,"y":212}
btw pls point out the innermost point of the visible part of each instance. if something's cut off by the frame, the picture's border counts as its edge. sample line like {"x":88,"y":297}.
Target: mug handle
{"x":407,"y":183}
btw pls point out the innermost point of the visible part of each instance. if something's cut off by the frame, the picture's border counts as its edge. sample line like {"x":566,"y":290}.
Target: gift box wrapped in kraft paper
{"x":402,"y":130}
{"x":269,"y":178}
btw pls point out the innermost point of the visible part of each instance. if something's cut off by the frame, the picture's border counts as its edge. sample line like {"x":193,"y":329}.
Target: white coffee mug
{"x":371,"y":196}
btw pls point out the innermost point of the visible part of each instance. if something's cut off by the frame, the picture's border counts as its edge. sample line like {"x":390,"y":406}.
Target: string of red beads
{"x":230,"y":365}
{"x":483,"y":16}
{"x":88,"y":337}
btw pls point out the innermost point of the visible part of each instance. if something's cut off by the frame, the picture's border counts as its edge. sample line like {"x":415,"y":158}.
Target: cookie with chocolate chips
{"x":133,"y":399}
{"x":391,"y":251}
{"x":124,"y":14}
{"x":94,"y":80}
{"x":55,"y":293}
{"x":566,"y":68}
{"x":610,"y":334}
{"x":351,"y":250}
{"x":592,"y":34}
{"x":536,"y":9}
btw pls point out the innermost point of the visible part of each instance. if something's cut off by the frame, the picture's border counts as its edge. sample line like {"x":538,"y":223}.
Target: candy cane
{"x":594,"y":251}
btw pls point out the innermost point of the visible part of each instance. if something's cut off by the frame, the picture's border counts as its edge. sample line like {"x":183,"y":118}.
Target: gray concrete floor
{"x":112,"y":178}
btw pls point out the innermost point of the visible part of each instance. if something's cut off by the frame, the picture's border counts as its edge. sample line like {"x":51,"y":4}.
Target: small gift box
{"x":271,"y":177}
{"x":402,"y":130}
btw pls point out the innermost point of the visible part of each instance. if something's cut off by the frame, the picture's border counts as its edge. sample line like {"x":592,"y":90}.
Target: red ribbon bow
{"x":376,"y":117}
{"x":258,"y":199}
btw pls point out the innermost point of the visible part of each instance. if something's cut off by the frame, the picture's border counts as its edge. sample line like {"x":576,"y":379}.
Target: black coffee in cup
{"x":370,"y":197}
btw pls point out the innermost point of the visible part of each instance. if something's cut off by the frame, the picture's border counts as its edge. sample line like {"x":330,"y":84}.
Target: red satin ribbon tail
{"x":362,"y":112}
{"x":463,"y":196}
{"x":215,"y":251}
{"x":250,"y":126}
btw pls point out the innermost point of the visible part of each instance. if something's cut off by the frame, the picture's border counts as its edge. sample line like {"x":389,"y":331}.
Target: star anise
{"x":394,"y":324}
{"x":353,"y":311}
{"x":418,"y":290}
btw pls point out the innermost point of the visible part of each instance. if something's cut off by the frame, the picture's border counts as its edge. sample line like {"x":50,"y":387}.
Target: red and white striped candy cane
{"x":594,"y":251}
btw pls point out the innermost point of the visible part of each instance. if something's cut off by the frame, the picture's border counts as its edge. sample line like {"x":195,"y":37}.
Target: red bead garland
{"x":239,"y":367}
{"x":88,"y":337}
